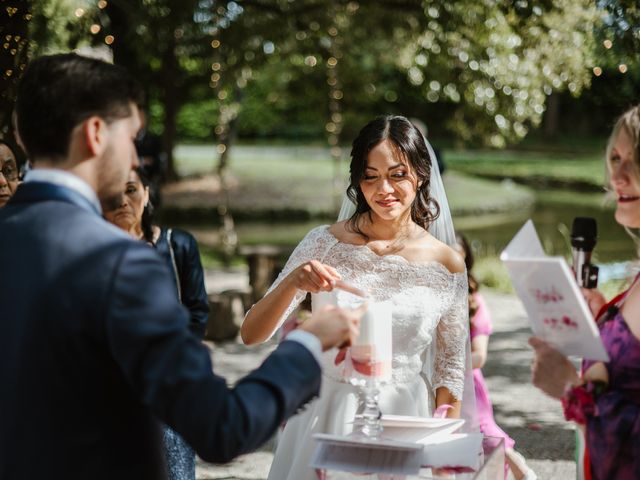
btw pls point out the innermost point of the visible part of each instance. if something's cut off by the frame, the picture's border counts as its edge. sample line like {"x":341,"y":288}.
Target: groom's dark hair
{"x":58,"y":92}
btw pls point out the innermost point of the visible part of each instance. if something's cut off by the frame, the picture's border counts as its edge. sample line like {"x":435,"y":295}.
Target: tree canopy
{"x":481,"y":71}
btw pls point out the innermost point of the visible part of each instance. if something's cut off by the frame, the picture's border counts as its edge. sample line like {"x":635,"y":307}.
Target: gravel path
{"x":532,"y":419}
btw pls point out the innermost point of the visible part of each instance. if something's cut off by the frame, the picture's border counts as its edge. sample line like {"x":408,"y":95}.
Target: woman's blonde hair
{"x":630,"y":122}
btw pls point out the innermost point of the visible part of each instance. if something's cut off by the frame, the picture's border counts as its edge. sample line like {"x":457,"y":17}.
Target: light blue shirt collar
{"x":65,"y":179}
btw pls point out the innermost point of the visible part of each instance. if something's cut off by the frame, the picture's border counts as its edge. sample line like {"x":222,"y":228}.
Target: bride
{"x":385,"y":247}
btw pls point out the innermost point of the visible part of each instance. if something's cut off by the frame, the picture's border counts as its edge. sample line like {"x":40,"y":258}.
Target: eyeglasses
{"x":9,"y":171}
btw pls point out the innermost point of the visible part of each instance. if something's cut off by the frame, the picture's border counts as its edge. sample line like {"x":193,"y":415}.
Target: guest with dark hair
{"x":180,"y":252}
{"x":94,"y":344}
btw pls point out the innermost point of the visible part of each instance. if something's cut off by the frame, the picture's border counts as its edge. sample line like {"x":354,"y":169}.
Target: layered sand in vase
{"x":371,"y":353}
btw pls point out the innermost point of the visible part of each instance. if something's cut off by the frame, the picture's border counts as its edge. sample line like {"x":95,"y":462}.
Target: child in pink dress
{"x":481,"y":326}
{"x":480,"y":331}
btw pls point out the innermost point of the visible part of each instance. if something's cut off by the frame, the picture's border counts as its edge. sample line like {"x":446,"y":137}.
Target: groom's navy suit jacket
{"x":95,"y":349}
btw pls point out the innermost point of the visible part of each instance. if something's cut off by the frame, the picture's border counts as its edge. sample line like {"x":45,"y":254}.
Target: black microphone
{"x":584,"y":234}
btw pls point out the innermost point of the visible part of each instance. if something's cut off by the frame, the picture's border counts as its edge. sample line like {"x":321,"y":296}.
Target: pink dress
{"x":481,"y":325}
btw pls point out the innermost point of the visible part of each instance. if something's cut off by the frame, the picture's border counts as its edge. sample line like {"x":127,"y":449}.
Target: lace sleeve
{"x":314,"y":246}
{"x":451,"y":340}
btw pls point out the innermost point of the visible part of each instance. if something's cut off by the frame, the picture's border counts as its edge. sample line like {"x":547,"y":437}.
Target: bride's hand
{"x":314,"y":276}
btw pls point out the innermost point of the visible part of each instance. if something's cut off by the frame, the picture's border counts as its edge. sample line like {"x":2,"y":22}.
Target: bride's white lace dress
{"x":430,"y":317}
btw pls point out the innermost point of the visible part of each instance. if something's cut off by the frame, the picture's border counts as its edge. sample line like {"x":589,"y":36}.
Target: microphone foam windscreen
{"x":584,"y":233}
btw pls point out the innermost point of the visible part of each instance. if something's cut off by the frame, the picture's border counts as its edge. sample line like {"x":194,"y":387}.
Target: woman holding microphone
{"x":604,"y":398}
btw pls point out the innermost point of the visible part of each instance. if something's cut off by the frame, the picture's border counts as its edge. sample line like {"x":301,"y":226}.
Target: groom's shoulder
{"x":80,"y":238}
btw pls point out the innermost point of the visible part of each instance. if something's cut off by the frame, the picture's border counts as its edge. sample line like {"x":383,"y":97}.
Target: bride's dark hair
{"x":410,"y":142}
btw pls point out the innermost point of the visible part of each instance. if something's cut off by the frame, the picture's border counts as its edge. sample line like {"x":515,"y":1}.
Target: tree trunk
{"x":171,"y":101}
{"x":229,"y":133}
{"x":119,"y":25}
{"x":227,"y":139}
{"x":552,"y":116}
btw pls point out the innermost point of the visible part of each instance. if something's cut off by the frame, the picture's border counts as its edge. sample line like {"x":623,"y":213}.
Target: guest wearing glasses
{"x":10,"y":157}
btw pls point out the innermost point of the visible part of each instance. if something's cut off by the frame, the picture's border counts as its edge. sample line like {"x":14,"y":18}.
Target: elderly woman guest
{"x":10,"y":159}
{"x":604,"y":398}
{"x":180,"y":250}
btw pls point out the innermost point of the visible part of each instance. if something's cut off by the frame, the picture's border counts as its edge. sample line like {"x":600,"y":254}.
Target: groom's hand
{"x":335,"y":327}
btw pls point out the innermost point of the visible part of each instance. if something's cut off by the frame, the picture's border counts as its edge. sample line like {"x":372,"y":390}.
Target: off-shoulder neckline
{"x":394,"y":257}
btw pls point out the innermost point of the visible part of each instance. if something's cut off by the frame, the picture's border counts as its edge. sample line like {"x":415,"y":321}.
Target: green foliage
{"x":621,"y":27}
{"x":495,"y":63}
{"x":491,"y":272}
{"x":480,"y":71}
{"x":15,"y":18}
{"x":616,"y":69}
{"x":276,"y":105}
{"x":613,"y":287}
{"x":195,"y":120}
{"x":55,"y":27}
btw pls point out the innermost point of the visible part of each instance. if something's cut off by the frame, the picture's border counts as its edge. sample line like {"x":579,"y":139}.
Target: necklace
{"x":392,"y":245}
{"x":402,"y":234}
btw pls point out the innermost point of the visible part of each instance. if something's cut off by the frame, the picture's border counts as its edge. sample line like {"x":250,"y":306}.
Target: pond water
{"x":490,"y":233}
{"x":553,"y":222}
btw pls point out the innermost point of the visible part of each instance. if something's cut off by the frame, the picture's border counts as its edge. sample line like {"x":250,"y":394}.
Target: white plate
{"x":406,"y":421}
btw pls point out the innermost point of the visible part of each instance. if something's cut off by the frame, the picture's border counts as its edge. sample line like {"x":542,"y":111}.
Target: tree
{"x":493,"y":63}
{"x":15,"y":16}
{"x":30,"y":29}
{"x":482,"y":69}
{"x":164,"y":50}
{"x":489,"y":65}
{"x":615,"y":84}
{"x":622,"y":24}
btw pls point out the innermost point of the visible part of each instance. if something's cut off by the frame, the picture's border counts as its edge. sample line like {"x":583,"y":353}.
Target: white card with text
{"x":547,"y":288}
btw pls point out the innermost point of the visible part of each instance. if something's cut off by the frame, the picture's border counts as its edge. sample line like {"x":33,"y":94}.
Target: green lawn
{"x":530,"y":167}
{"x":296,"y":178}
{"x":271,"y":163}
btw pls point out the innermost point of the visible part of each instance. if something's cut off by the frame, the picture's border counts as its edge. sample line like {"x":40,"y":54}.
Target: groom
{"x":94,"y":346}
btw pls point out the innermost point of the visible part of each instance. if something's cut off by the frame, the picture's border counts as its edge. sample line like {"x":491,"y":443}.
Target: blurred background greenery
{"x":261,"y":98}
{"x":477,"y":73}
